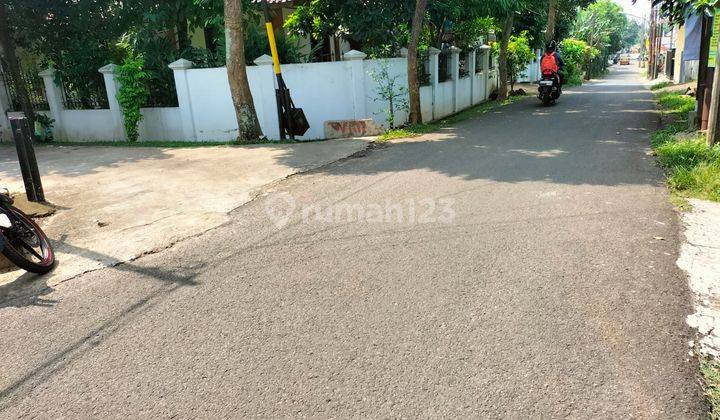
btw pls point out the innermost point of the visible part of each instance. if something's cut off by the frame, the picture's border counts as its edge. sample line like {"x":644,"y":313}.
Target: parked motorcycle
{"x":549,"y":89}
{"x":21,"y":239}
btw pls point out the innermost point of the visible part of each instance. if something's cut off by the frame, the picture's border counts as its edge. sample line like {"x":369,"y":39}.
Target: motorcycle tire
{"x":13,"y":249}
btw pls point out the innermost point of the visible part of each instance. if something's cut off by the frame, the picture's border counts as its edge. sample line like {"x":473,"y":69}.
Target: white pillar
{"x":266,"y":103}
{"x":112,"y":87}
{"x":455,"y":74}
{"x":434,"y":62}
{"x":403,"y":52}
{"x":471,"y":70}
{"x":485,"y":51}
{"x":180,"y":68}
{"x":355,"y":68}
{"x":54,"y":95}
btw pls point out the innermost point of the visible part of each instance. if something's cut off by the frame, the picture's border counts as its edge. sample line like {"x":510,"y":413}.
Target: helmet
{"x":551,"y":46}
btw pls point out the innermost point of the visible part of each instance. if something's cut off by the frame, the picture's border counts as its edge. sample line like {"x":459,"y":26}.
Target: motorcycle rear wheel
{"x":31,"y":250}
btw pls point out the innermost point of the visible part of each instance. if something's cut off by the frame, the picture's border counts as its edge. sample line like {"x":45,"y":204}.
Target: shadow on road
{"x":29,"y":290}
{"x":594,"y":135}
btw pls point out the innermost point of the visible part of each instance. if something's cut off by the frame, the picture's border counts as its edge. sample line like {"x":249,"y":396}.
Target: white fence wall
{"x":375,"y":107}
{"x":344,"y":90}
{"x":531,"y":73}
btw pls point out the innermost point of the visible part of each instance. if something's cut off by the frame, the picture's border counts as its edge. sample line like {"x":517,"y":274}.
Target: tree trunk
{"x":412,"y":63}
{"x":210,"y":39}
{"x":248,"y":125}
{"x":502,"y":59}
{"x":550,"y":31}
{"x":8,"y":47}
{"x":182,"y":34}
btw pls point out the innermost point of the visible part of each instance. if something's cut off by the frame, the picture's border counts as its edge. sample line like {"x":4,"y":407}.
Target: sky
{"x":640,"y":8}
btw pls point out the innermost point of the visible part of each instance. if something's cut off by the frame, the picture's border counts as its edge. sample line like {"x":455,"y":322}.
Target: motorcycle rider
{"x":552,"y":63}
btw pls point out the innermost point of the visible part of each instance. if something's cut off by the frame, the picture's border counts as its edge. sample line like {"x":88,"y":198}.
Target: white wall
{"x":426,"y":102}
{"x":320,"y":89}
{"x":463,"y":93}
{"x":531,"y":73}
{"x":161,"y":124}
{"x":343,"y":90}
{"x":444,"y":93}
{"x":479,"y":93}
{"x":85,"y":125}
{"x":375,"y":106}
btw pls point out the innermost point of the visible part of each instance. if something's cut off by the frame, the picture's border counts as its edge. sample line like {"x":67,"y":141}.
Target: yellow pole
{"x":273,"y":46}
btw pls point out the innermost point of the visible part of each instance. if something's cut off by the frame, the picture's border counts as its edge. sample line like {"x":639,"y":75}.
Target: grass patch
{"x":710,"y":371}
{"x":661,"y":85}
{"x":692,"y":167}
{"x":416,"y":130}
{"x":675,"y":103}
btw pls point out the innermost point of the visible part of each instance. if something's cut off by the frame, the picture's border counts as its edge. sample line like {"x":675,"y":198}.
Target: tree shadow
{"x":170,"y":281}
{"x":29,"y":288}
{"x":596,"y":134}
{"x":74,"y":161}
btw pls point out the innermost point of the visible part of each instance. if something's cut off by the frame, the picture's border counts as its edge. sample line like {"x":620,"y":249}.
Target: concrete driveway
{"x":117,"y":203}
{"x":535,"y":287}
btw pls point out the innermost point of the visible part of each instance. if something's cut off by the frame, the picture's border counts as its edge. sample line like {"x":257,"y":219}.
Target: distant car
{"x":625,"y":60}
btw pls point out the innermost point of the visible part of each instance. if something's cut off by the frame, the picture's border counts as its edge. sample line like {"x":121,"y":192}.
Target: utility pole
{"x":705,"y":73}
{"x":659,"y":36}
{"x":651,"y":43}
{"x":712,"y":131}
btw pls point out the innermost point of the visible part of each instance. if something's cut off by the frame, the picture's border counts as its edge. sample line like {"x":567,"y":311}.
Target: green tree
{"x":518,"y":57}
{"x":375,"y":27}
{"x":506,"y":12}
{"x":576,"y":55}
{"x":601,"y":25}
{"x":633,"y":34}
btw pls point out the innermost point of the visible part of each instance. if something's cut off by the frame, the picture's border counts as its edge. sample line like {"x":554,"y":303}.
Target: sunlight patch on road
{"x":540,"y":153}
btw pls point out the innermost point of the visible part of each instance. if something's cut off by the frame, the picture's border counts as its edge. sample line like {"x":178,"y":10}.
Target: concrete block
{"x":351,"y":128}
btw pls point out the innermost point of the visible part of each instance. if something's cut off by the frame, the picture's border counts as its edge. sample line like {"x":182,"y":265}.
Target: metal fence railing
{"x":444,"y":66}
{"x":479,"y":62}
{"x":162,"y":96}
{"x":424,"y":70}
{"x":161,"y":87}
{"x":464,"y":70}
{"x":34,"y":86}
{"x":88,"y":95}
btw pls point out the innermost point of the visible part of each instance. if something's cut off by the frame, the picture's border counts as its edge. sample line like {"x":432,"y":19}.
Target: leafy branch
{"x":133,"y":93}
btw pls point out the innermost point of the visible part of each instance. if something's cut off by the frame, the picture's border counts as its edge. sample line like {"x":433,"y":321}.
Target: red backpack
{"x":548,"y":64}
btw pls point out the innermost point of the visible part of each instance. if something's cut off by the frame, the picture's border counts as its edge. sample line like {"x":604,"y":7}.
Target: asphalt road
{"x":535,"y":287}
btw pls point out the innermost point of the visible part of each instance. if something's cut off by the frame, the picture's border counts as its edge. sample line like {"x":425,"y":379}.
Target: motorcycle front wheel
{"x":26,"y":245}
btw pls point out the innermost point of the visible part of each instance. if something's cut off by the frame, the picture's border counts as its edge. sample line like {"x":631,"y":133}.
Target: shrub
{"x":133,"y":93}
{"x":573,"y":53}
{"x":519,"y":56}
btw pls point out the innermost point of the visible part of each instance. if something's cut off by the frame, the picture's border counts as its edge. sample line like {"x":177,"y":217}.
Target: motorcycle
{"x":549,"y":89}
{"x":21,"y":239}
